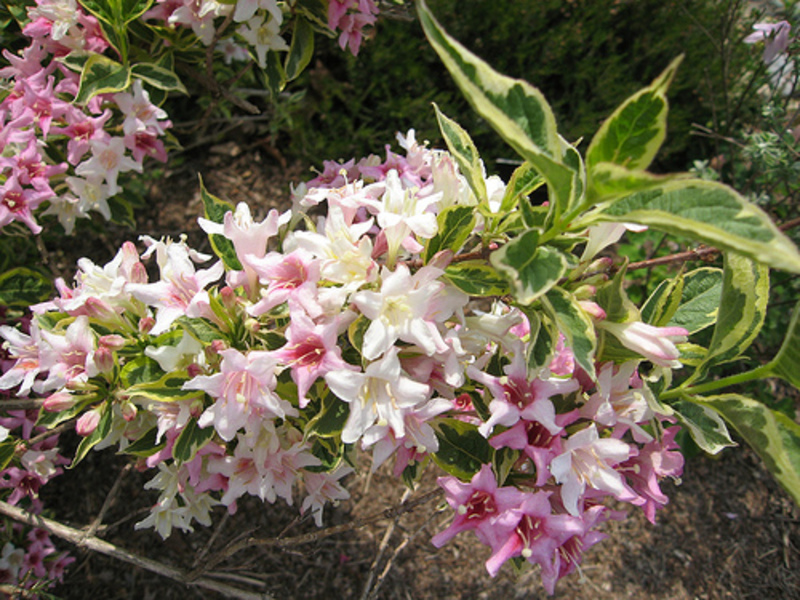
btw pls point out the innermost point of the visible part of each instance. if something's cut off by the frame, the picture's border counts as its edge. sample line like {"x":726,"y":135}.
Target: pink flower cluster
{"x":334,"y":308}
{"x":40,"y":120}
{"x":28,"y":557}
{"x":350,"y":17}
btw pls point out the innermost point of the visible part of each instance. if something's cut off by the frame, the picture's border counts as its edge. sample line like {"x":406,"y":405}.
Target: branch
{"x":22,"y":404}
{"x":250,"y":542}
{"x":80,"y":539}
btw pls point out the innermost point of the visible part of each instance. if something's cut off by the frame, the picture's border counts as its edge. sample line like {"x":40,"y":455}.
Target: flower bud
{"x":88,"y":422}
{"x":138,"y":273}
{"x":228,"y":297}
{"x":128,"y":410}
{"x":99,"y":309}
{"x":146,"y":324}
{"x":252,"y":325}
{"x":59,"y":401}
{"x":104,"y":360}
{"x":112,"y":341}
{"x":194,"y":370}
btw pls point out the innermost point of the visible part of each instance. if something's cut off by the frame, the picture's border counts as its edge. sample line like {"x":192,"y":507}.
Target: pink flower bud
{"x":104,"y":360}
{"x":99,"y":309}
{"x":216,"y":347}
{"x":112,"y":342}
{"x":128,"y":410}
{"x":146,"y":324}
{"x":592,"y":309}
{"x":59,"y":401}
{"x":228,"y":297}
{"x":194,"y":370}
{"x":88,"y":422}
{"x":138,"y":273}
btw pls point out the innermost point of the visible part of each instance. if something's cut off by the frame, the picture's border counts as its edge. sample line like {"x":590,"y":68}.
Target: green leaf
{"x":158,"y":77}
{"x":609,"y":181}
{"x":742,"y":307}
{"x":466,"y":154}
{"x":543,"y":340}
{"x":699,"y":307}
{"x":101,"y":9}
{"x":301,"y":50}
{"x":531,"y":270}
{"x":203,"y":330}
{"x":121,"y":212}
{"x":524,"y":180}
{"x":455,"y":226}
{"x":130,"y":10}
{"x":101,"y":75}
{"x":516,"y":110}
{"x":786,"y":363}
{"x":462,"y":450}
{"x":7,"y":451}
{"x":773,"y":435}
{"x":215,"y":209}
{"x":331,"y":418}
{"x":140,"y":370}
{"x":632,"y":135}
{"x":145,"y":446}
{"x":98,"y":435}
{"x":21,"y":287}
{"x":476,"y":278}
{"x":663,"y":303}
{"x":708,"y":212}
{"x":48,"y":419}
{"x":575,"y":324}
{"x":276,"y":76}
{"x":75,"y":60}
{"x":613,"y":299}
{"x":168,"y":388}
{"x":705,"y":426}
{"x":190,"y":440}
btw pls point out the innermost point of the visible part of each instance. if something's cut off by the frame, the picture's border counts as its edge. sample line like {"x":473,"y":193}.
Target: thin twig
{"x":95,"y":525}
{"x":250,"y":542}
{"x":365,"y":595}
{"x":217,"y":530}
{"x":49,"y":433}
{"x":80,"y":539}
{"x":22,"y":404}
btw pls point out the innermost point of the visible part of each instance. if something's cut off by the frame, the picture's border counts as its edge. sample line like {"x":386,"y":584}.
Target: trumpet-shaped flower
{"x":588,"y":461}
{"x":403,"y":310}
{"x":656,"y":344}
{"x":244,"y":393}
{"x":379,"y":395}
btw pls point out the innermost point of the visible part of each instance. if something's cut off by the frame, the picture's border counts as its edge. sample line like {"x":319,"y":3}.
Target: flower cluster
{"x":337,"y":325}
{"x":29,"y":559}
{"x":65,"y":139}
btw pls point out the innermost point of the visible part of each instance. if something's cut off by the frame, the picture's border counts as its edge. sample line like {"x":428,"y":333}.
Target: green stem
{"x":759,"y":373}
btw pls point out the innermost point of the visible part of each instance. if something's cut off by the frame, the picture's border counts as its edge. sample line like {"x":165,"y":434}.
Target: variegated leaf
{"x":477,"y":278}
{"x":514,"y":108}
{"x":632,"y":135}
{"x":455,"y":226}
{"x":464,"y":151}
{"x":575,"y":324}
{"x":706,"y":427}
{"x":773,"y":435}
{"x":531,"y":270}
{"x":786,"y":363}
{"x":708,"y":212}
{"x":742,"y":307}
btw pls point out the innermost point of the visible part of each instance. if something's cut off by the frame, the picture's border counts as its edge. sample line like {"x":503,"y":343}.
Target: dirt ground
{"x":729,"y":531}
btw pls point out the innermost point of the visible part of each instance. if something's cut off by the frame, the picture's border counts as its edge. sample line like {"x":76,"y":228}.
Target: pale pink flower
{"x":140,"y":114}
{"x":244,"y":393}
{"x":776,"y":36}
{"x":656,"y":344}
{"x":588,"y":460}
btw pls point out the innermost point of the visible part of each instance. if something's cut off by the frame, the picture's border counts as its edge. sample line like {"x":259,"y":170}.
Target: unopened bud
{"x":138,"y":273}
{"x":88,"y":422}
{"x":99,"y":309}
{"x":592,"y":309}
{"x":59,"y":401}
{"x":228,"y":297}
{"x":104,"y":360}
{"x":112,"y":341}
{"x":128,"y":410}
{"x":194,"y":370}
{"x":584,"y":292}
{"x":146,"y":324}
{"x":252,"y":325}
{"x":216,"y":347}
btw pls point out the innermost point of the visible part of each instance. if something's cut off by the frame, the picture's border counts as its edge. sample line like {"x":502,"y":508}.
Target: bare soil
{"x":729,"y":532}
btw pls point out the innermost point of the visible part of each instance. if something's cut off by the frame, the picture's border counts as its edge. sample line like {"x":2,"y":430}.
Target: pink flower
{"x":478,"y":505}
{"x":311,"y":351}
{"x":656,"y":344}
{"x":776,"y":36}
{"x":244,"y":391}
